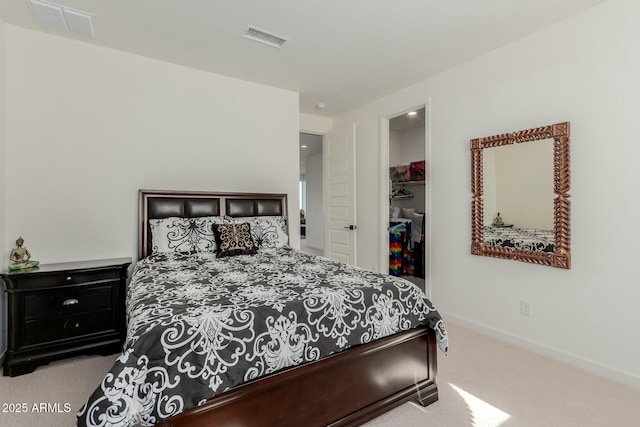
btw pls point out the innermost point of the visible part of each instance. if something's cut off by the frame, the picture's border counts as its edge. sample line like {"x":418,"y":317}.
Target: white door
{"x":340,"y":194}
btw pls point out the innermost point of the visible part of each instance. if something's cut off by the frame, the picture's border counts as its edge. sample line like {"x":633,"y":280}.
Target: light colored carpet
{"x":483,"y":383}
{"x":487,"y":383}
{"x":68,"y":381}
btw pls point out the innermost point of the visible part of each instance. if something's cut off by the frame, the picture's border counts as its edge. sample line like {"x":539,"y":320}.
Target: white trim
{"x":311,"y":125}
{"x":324,"y":182}
{"x":354,"y":175}
{"x":427,"y":200}
{"x":596,"y":368}
{"x":383,"y":197}
{"x":325,"y":193}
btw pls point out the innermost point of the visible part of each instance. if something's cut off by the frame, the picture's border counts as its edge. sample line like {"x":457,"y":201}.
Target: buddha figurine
{"x":497,"y":221}
{"x":20,"y":256}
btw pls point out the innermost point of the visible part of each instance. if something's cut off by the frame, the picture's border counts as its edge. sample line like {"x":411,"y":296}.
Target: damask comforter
{"x":519,"y":238}
{"x":200,"y":325}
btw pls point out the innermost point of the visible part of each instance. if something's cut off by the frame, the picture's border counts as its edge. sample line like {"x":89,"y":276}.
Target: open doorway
{"x":311,"y":194}
{"x":407,"y":197}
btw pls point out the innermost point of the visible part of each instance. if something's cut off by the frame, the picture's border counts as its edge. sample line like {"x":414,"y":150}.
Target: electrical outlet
{"x":526,"y":309}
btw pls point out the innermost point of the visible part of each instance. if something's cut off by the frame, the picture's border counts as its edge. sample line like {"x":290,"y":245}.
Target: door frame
{"x":384,"y":203}
{"x":323,"y":179}
{"x":323,"y":135}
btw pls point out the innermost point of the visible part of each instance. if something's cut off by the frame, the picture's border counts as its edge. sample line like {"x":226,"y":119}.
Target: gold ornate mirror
{"x":520,"y":183}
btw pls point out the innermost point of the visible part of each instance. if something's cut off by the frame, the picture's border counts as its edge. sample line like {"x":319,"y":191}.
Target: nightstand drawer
{"x":67,"y":278}
{"x":46,"y":330}
{"x":80,"y":299}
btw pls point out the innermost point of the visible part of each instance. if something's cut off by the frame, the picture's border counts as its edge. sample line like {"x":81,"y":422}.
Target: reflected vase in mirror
{"x":520,"y":183}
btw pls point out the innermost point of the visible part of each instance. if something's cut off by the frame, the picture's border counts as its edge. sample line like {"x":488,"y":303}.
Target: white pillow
{"x":175,"y":234}
{"x":266,"y":231}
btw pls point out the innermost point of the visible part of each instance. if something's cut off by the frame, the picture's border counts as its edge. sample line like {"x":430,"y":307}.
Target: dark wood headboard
{"x":154,"y":204}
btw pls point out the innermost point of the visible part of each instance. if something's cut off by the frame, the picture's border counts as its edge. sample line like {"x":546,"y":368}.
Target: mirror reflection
{"x":518,"y":196}
{"x":520,"y":183}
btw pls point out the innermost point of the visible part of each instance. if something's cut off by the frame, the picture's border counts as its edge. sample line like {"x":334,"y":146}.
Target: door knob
{"x":351,"y":227}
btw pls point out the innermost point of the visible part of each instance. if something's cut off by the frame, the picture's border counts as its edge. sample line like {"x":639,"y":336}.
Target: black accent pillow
{"x":234,"y":239}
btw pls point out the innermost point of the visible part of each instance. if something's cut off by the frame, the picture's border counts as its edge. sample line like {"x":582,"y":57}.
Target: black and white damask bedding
{"x":519,"y":238}
{"x":199,"y":325}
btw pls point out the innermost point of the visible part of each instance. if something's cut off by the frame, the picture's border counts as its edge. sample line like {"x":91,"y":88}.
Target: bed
{"x":191,"y":359}
{"x":522,"y":239}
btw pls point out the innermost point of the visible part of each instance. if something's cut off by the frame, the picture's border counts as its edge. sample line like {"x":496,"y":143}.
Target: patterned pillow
{"x":175,"y":234}
{"x":267,"y":231}
{"x":234,"y":239}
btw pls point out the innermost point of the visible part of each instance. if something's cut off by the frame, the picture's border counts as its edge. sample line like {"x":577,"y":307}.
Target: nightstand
{"x":62,"y":310}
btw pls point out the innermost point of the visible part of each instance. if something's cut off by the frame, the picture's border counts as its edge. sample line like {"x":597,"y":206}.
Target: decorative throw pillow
{"x":234,"y":239}
{"x":266,"y":231}
{"x":176,"y":234}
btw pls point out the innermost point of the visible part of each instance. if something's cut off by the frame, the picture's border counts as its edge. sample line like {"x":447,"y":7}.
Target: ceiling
{"x":408,"y":120}
{"x":342,"y":53}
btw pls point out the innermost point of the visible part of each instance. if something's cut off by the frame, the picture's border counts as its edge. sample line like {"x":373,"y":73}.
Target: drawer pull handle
{"x":68,"y":278}
{"x":70,"y":301}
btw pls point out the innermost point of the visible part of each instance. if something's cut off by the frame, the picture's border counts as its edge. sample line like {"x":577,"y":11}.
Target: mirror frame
{"x":561,"y":256}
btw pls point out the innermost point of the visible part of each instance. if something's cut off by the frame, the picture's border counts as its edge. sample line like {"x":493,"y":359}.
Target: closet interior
{"x":407,"y":204}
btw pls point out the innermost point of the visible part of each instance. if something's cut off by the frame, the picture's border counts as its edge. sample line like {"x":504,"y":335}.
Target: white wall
{"x":315,"y":209}
{"x":406,"y":146}
{"x":86,"y":127}
{"x":395,"y":140}
{"x":583,"y":70}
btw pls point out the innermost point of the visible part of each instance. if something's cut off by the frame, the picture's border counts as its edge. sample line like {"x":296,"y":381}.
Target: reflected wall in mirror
{"x":520,"y":183}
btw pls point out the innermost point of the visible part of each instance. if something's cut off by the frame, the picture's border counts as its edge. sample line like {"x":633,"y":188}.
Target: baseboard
{"x":608,"y":372}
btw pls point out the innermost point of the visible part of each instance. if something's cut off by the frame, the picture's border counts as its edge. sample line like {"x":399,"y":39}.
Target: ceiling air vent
{"x":63,"y":18}
{"x":265,"y":37}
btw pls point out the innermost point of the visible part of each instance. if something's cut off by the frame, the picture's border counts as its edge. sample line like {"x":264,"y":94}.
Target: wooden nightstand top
{"x":68,"y":266}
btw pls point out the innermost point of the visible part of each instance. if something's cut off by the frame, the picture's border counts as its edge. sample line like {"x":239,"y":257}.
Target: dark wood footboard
{"x":346,"y":389}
